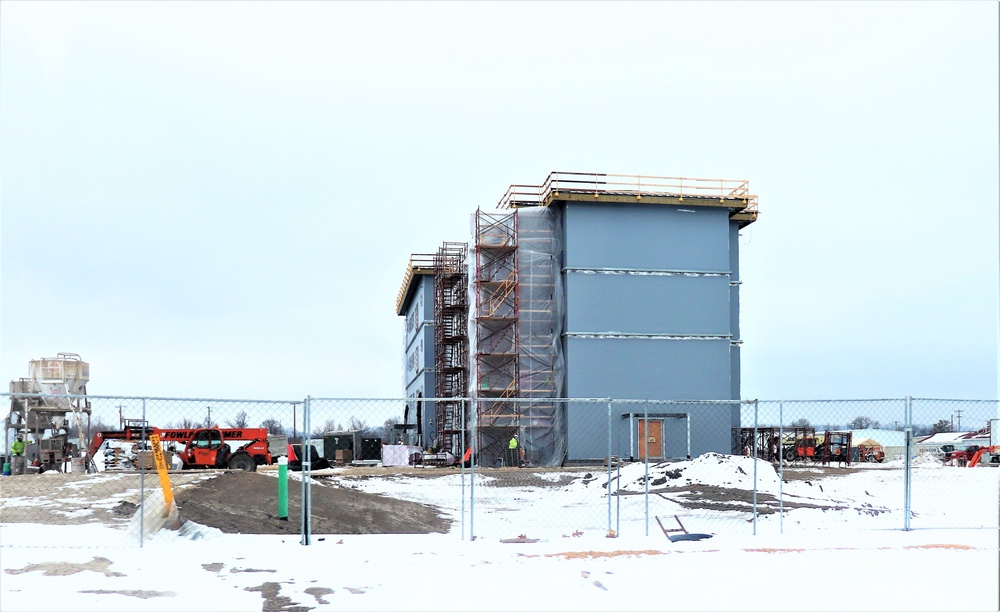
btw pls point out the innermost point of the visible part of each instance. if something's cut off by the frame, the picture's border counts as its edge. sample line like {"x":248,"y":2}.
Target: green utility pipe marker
{"x":283,"y":488}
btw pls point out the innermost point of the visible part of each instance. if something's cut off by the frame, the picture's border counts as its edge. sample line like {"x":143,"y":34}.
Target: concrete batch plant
{"x":586,"y":286}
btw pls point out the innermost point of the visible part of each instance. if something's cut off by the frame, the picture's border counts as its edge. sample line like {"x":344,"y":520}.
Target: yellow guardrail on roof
{"x":727,"y":190}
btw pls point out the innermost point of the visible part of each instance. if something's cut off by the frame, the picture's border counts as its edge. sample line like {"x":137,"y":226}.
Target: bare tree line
{"x":866,"y":422}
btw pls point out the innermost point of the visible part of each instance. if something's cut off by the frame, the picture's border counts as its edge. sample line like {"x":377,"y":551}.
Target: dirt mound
{"x":247,"y":502}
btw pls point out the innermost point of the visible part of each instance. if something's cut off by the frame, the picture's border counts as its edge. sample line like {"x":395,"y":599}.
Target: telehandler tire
{"x":242,"y":461}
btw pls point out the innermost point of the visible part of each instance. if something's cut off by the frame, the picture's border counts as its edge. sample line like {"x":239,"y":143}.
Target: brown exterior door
{"x":650,"y":439}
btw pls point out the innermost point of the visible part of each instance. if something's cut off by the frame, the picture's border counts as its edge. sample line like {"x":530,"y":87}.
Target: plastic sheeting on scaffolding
{"x":540,"y":327}
{"x":530,"y":351}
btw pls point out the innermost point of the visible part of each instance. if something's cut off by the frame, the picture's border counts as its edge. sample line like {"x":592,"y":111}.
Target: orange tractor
{"x":207,"y":447}
{"x":872,"y":453}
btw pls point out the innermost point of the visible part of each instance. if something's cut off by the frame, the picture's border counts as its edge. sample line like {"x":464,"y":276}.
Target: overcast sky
{"x":219,"y":199}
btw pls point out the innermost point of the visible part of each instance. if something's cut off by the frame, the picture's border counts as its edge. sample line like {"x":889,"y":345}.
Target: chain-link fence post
{"x":142,"y":482}
{"x":781,"y":468}
{"x":472,"y":476}
{"x":618,"y":497}
{"x":464,"y":421}
{"x":907,"y":460}
{"x":645,"y":459}
{"x":755,"y":456}
{"x":609,"y":466}
{"x":306,"y":469}
{"x":687,"y":423}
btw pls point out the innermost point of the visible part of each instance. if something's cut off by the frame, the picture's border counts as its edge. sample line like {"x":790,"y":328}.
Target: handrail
{"x":499,"y":298}
{"x":419,"y":262}
{"x":639,"y":185}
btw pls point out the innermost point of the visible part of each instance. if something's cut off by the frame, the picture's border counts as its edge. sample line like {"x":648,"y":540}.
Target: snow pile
{"x":189,"y":530}
{"x":158,"y":524}
{"x":730,"y":471}
{"x":926,"y":460}
{"x":922,"y":460}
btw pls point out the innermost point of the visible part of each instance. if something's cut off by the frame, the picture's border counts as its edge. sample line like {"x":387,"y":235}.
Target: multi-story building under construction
{"x":586,"y":286}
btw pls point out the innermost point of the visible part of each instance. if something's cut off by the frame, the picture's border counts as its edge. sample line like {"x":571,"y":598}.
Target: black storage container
{"x":334,"y":441}
{"x":371,"y":449}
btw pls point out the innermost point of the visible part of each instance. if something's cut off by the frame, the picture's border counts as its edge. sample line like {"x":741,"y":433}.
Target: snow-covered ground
{"x":851,"y":546}
{"x":867,"y":496}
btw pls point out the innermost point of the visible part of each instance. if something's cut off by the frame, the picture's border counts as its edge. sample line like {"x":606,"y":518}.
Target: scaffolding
{"x":451,"y":342}
{"x":497,"y":338}
{"x":540,"y":313}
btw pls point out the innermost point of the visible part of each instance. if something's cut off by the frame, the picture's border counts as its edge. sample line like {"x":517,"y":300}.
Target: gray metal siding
{"x":603,"y":243}
{"x":411,"y":318}
{"x":634,"y":368}
{"x":419,"y":337}
{"x":648,"y":369}
{"x":419,"y":358}
{"x":734,"y":375}
{"x":647,"y":304}
{"x":734,"y":309}
{"x":646,"y":237}
{"x":420,"y":362}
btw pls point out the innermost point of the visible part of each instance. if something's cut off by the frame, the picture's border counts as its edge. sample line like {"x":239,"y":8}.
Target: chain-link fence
{"x":495,"y":468}
{"x":851,"y":456}
{"x":94,"y":462}
{"x":962,"y":425}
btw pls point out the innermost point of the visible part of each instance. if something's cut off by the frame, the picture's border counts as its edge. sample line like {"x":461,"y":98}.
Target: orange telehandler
{"x":206,"y":447}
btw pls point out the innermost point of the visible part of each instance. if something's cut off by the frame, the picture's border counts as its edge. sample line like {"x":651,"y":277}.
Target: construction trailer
{"x":586,"y":286}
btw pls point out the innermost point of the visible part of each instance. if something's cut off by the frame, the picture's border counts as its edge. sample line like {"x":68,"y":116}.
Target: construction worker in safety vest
{"x":17,"y":446}
{"x":513,"y":454}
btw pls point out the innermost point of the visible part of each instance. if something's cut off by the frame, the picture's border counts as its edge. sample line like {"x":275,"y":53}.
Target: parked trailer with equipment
{"x":832,"y":446}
